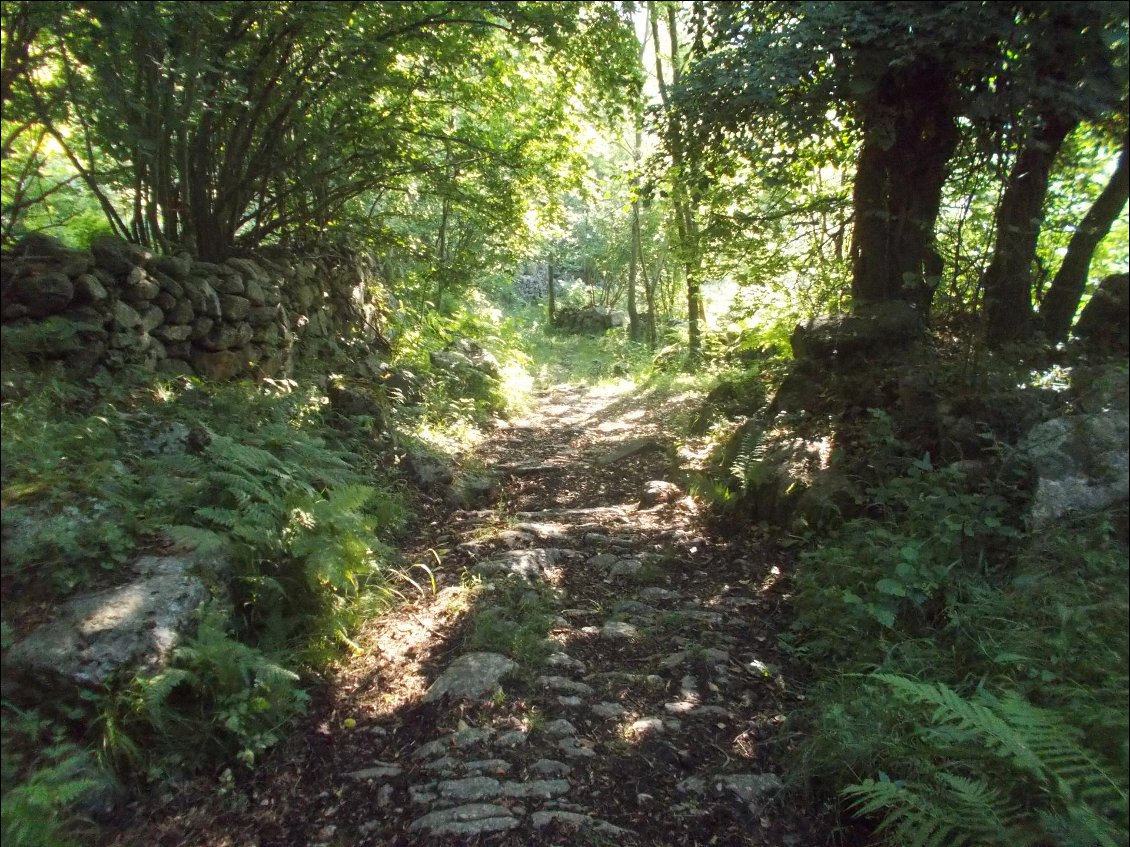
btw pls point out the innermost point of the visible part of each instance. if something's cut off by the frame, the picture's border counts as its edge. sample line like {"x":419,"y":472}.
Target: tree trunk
{"x":909,"y":136}
{"x":680,"y":196}
{"x":552,"y":293}
{"x":634,"y":328}
{"x":648,"y":285}
{"x":1008,"y":281}
{"x":1058,"y":309}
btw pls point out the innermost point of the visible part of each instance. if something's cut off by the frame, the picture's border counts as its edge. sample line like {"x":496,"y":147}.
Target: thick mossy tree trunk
{"x":910,"y":133}
{"x":1008,"y":281}
{"x":1058,"y":309}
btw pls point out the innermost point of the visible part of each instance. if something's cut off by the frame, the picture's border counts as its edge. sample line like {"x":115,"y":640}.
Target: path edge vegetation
{"x":982,"y":695}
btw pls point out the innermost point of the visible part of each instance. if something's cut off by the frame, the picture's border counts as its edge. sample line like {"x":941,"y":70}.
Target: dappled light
{"x":556,"y":423}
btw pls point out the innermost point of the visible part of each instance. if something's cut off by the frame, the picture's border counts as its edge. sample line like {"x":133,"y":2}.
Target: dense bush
{"x":970,"y":675}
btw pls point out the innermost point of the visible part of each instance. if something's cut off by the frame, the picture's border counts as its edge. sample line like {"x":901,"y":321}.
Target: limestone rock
{"x":1081,"y":463}
{"x":577,"y":821}
{"x":46,"y":294}
{"x":659,"y":491}
{"x":135,"y":625}
{"x":474,"y":676}
{"x":220,"y":365}
{"x":632,"y":447}
{"x":618,"y":631}
{"x":753,"y":789}
{"x":378,"y":771}
{"x":529,"y":564}
{"x":429,"y":472}
{"x":233,"y":307}
{"x":469,"y":819}
{"x":88,"y":289}
{"x":871,"y":327}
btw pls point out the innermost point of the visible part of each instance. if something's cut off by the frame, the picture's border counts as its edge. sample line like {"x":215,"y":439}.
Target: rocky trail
{"x":642,"y":701}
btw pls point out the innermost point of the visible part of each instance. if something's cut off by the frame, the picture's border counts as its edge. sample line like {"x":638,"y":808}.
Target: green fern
{"x":39,"y":811}
{"x":1027,"y":777}
{"x":748,"y":467}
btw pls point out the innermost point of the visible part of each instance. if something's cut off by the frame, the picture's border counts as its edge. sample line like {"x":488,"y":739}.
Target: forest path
{"x":642,"y":702}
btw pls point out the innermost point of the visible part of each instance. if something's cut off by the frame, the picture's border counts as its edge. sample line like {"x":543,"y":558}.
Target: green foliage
{"x":439,"y":101}
{"x":935,"y":583}
{"x":219,"y":698}
{"x":515,"y":623}
{"x":251,"y":472}
{"x":44,"y":778}
{"x":1015,"y":774}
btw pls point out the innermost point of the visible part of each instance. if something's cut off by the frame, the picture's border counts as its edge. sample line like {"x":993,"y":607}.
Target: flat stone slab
{"x":469,"y":819}
{"x":753,"y":789}
{"x":609,"y":710}
{"x":632,"y":447}
{"x":378,"y":771}
{"x":528,"y":564}
{"x":654,"y":592}
{"x":513,"y":738}
{"x":565,"y":685}
{"x":559,"y":728}
{"x":458,"y":740}
{"x":574,"y":749}
{"x":563,"y":661}
{"x":549,"y":767}
{"x":708,"y":654}
{"x":618,"y":631}
{"x":627,"y":566}
{"x":577,"y":821}
{"x":469,"y":789}
{"x":647,"y":726}
{"x":474,"y":676}
{"x":543,"y":530}
{"x":603,"y":560}
{"x":538,"y":789}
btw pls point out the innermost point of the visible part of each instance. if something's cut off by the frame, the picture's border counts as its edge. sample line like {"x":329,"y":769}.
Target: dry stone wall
{"x":247,"y":316}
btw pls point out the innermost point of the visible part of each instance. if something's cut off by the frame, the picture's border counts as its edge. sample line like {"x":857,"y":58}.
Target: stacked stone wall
{"x":247,"y":316}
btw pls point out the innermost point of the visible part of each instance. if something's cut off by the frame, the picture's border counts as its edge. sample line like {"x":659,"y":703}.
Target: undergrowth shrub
{"x":989,"y":770}
{"x":219,"y":698}
{"x":970,"y":674}
{"x":93,"y":475}
{"x":45,"y":778}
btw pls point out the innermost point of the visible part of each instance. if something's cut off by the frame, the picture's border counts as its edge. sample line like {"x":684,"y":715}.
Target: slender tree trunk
{"x":552,"y":293}
{"x":909,"y":136}
{"x":1058,"y":309}
{"x":633,"y":313}
{"x":680,"y":199}
{"x":1008,"y":281}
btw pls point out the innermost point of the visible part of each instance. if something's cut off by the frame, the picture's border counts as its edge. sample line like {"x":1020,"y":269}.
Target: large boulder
{"x":872,"y":330}
{"x":133,"y":627}
{"x":1081,"y":464}
{"x":430,"y":473}
{"x":119,"y":257}
{"x":1105,"y":323}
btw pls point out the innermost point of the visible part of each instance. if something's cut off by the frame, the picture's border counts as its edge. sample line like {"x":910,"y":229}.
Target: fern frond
{"x":976,"y":721}
{"x":204,"y":541}
{"x":155,"y":691}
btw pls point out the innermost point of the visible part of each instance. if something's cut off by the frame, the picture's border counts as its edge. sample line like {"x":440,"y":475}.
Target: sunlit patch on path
{"x":594,"y":666}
